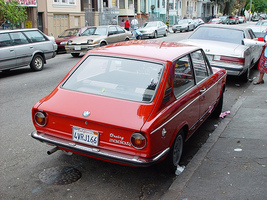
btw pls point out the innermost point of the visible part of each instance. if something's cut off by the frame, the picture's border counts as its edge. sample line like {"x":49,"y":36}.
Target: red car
{"x":215,"y":21}
{"x":66,"y":35}
{"x":132,"y":103}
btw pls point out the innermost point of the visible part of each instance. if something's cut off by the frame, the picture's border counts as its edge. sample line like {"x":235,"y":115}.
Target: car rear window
{"x":121,"y":78}
{"x":219,"y":34}
{"x":35,"y":36}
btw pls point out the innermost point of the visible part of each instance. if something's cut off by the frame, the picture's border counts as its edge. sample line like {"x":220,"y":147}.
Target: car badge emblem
{"x":207,"y":50}
{"x":86,"y":113}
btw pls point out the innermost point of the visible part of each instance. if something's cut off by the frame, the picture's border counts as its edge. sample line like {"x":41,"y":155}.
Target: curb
{"x":181,"y":181}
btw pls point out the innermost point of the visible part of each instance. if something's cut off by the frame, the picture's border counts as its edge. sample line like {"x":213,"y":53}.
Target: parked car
{"x":23,"y":47}
{"x":184,"y":25}
{"x":233,"y":48}
{"x":224,"y":19}
{"x":67,"y":35}
{"x":233,"y":19}
{"x":97,"y":36}
{"x":133,"y":103}
{"x":259,"y":28}
{"x":215,"y":21}
{"x":154,"y":29}
{"x":198,"y":22}
{"x":242,"y":19}
{"x":255,"y":18}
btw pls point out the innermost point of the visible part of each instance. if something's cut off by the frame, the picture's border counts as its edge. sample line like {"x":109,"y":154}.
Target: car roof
{"x":236,"y":27}
{"x":146,"y":49}
{"x":15,"y":30}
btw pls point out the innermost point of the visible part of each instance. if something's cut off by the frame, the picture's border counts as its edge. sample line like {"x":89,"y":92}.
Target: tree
{"x":12,"y":12}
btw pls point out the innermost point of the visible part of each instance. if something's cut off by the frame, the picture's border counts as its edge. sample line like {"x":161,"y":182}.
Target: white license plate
{"x":85,"y":136}
{"x":77,"y":48}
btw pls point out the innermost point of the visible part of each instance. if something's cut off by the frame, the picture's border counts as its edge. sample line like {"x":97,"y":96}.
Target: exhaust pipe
{"x":52,"y":151}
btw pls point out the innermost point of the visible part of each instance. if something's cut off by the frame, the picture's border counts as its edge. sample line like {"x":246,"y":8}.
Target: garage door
{"x":60,"y":23}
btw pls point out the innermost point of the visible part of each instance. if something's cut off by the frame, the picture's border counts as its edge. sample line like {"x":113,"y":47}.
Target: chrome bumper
{"x":99,"y":153}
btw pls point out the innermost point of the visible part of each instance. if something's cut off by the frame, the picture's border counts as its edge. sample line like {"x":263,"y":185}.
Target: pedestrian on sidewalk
{"x":122,"y":23}
{"x":262,"y":66}
{"x":127,"y":25}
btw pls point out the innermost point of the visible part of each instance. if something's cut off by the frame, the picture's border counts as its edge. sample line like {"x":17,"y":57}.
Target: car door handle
{"x":11,"y":50}
{"x":31,"y":47}
{"x":202,"y":90}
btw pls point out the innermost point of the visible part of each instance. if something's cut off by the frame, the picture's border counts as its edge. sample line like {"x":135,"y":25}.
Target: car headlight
{"x":138,"y":140}
{"x":90,"y":41}
{"x":40,"y":118}
{"x":69,"y":42}
{"x":63,"y":43}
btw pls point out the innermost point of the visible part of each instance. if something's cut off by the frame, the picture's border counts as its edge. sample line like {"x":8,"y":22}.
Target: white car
{"x":234,"y":48}
{"x":154,"y":29}
{"x":259,"y":28}
{"x":184,"y":25}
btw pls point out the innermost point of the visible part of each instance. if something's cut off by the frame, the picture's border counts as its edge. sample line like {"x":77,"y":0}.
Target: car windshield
{"x":219,"y":34}
{"x":95,"y":31}
{"x":151,"y":24}
{"x":262,"y":23}
{"x":183,"y":21}
{"x":69,"y":32}
{"x":115,"y":77}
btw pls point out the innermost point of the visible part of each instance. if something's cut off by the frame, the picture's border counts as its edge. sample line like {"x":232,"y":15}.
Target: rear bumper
{"x":99,"y":153}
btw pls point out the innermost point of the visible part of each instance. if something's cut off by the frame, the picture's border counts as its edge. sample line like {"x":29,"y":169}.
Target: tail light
{"x":138,"y":140}
{"x":232,"y":59}
{"x":40,"y":118}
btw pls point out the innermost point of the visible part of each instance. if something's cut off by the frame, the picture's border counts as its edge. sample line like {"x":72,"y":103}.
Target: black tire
{"x":37,"y":63}
{"x":245,"y":76}
{"x":187,"y":30}
{"x":139,"y":37}
{"x":103,"y":44}
{"x":75,"y":55}
{"x":173,"y":158}
{"x":174,"y":31}
{"x":166,"y":33}
{"x":155,"y":34}
{"x":218,"y":110}
{"x":127,"y":39}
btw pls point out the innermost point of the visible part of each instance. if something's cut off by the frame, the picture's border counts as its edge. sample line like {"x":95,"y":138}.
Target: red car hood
{"x":103,"y":110}
{"x":62,"y":39}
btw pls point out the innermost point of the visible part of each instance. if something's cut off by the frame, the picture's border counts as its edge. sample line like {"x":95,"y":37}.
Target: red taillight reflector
{"x":138,"y":140}
{"x":232,"y":59}
{"x":40,"y":118}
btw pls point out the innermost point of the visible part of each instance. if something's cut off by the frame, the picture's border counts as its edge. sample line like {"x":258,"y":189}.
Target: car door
{"x":113,"y":35}
{"x":207,"y":90}
{"x":254,"y":49}
{"x":7,"y":52}
{"x":23,"y":48}
{"x":184,"y":89}
{"x":161,"y":27}
{"x":121,"y":34}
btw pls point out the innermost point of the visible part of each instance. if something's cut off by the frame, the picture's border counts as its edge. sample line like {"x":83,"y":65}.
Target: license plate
{"x":85,"y":136}
{"x":77,"y":48}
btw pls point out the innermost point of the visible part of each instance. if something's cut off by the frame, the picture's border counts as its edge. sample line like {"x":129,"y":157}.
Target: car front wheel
{"x":75,"y":55}
{"x":155,"y":34}
{"x":37,"y":63}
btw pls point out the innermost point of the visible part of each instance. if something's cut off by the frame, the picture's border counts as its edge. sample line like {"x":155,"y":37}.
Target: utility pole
{"x":167,"y":13}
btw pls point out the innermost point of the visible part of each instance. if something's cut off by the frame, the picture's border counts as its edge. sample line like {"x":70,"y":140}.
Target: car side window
{"x":18,"y":38}
{"x":112,"y":30}
{"x":5,"y":40}
{"x":35,"y":36}
{"x":200,"y":66}
{"x":120,"y":30}
{"x":183,"y":76}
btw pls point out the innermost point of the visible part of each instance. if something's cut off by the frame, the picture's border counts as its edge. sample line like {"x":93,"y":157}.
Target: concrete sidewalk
{"x":232,"y":164}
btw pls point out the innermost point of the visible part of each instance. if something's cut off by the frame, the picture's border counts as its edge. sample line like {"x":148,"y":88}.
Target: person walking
{"x":127,"y":25}
{"x":262,"y":66}
{"x":122,"y":23}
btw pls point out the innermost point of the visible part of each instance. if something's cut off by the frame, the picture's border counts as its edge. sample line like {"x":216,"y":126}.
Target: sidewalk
{"x":232,"y":164}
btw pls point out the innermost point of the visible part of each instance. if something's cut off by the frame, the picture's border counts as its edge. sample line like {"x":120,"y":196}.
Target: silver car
{"x":234,"y":48}
{"x":23,"y":47}
{"x":184,"y":25}
{"x":97,"y":36}
{"x":259,"y":28}
{"x":154,"y":29}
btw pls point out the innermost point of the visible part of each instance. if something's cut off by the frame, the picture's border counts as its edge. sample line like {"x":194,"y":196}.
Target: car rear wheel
{"x":103,"y":44}
{"x":155,"y":34}
{"x":37,"y":63}
{"x":75,"y":55}
{"x":173,"y":158}
{"x":166,"y":33}
{"x":218,"y":110}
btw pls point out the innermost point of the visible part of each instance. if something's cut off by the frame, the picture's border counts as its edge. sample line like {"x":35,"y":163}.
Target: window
{"x":5,"y":40}
{"x":183,"y":76}
{"x":200,"y":66}
{"x":112,"y":30}
{"x":120,"y":30}
{"x":18,"y":38}
{"x":65,"y":2}
{"x":35,"y":36}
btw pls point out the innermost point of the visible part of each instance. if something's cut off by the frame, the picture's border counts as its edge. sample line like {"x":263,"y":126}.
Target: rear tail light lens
{"x":40,"y":118}
{"x":138,"y":140}
{"x":232,"y":59}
